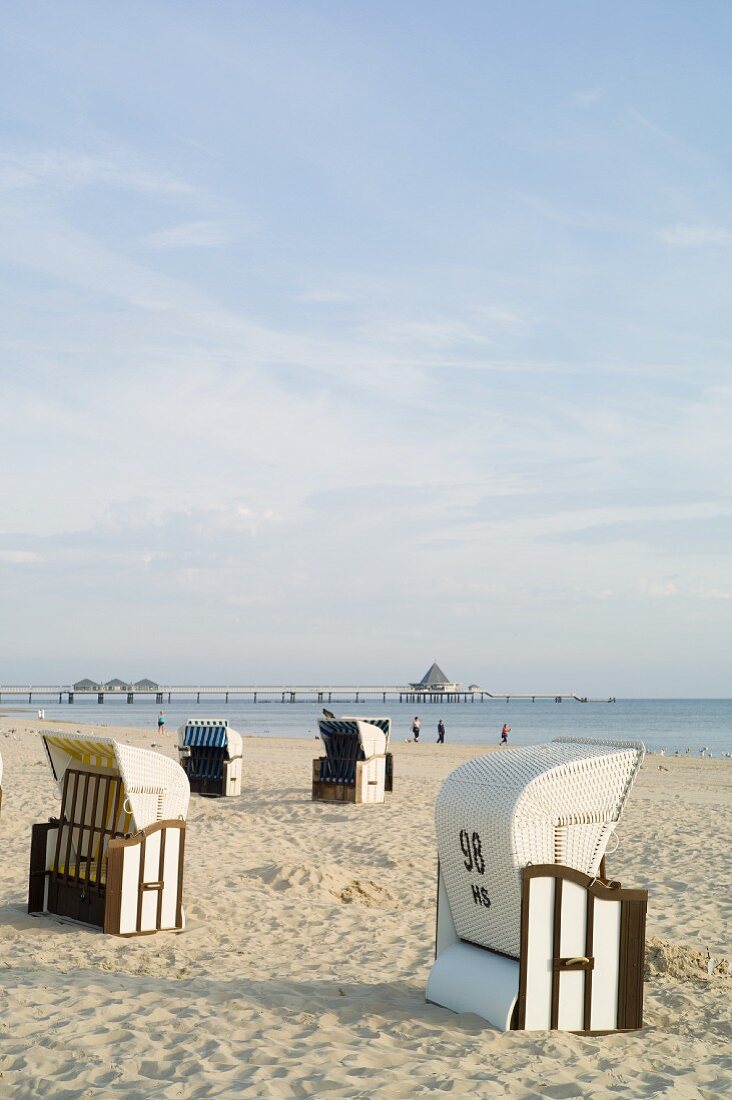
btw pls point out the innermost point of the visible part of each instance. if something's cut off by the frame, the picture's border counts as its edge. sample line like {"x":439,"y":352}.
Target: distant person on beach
{"x":440,"y":732}
{"x":504,"y":733}
{"x":161,"y":722}
{"x":416,"y":727}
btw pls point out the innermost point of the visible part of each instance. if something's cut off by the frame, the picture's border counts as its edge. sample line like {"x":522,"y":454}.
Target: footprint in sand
{"x":334,"y":884}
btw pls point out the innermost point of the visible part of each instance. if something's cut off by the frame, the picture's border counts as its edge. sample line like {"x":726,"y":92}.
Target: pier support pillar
{"x":198,"y":697}
{"x":130,"y":697}
{"x":168,"y":696}
{"x":255,"y":696}
{"x":71,"y":697}
{"x":227,"y":697}
{"x":159,"y":697}
{"x":100,"y":696}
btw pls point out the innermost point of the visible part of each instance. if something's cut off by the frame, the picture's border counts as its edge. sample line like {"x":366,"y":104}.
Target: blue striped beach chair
{"x":210,"y":753}
{"x":354,"y":766}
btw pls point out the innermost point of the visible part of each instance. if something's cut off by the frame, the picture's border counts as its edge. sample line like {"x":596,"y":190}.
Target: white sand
{"x":310,"y":935}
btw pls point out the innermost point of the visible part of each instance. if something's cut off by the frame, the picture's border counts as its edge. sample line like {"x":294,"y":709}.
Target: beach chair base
{"x":228,"y":784}
{"x":137,"y":890}
{"x":368,"y":786}
{"x":212,"y":777}
{"x":581,"y":962}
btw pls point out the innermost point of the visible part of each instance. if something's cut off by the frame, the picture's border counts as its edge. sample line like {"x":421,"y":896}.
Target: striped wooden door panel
{"x":582,"y":951}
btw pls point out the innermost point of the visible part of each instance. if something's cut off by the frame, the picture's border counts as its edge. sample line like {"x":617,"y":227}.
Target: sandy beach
{"x":309,"y":937}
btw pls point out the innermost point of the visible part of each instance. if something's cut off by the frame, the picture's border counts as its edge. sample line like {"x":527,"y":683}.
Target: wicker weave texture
{"x":156,"y":788}
{"x":550,"y":803}
{"x":382,"y":723}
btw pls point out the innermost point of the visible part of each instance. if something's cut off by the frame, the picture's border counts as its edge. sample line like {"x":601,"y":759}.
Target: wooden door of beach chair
{"x":92,"y":813}
{"x":354,"y":766}
{"x":529,"y":932}
{"x":114,"y":856}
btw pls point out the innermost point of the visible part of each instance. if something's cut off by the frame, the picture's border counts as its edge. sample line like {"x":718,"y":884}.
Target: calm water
{"x":661,"y":723}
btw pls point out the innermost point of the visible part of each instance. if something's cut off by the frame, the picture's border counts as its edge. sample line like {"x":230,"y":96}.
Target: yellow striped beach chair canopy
{"x":156,"y":788}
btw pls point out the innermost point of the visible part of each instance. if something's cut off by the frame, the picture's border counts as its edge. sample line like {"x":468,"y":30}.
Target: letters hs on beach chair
{"x":114,"y":856}
{"x":531,"y":935}
{"x":210,"y":753}
{"x":354,"y":766}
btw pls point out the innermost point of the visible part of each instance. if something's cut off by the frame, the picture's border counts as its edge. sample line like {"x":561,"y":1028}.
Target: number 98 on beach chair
{"x":114,"y":856}
{"x":530,"y":933}
{"x":354,"y":766}
{"x":210,"y":753}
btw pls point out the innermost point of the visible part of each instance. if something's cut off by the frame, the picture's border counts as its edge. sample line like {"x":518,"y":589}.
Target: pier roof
{"x":434,"y":677}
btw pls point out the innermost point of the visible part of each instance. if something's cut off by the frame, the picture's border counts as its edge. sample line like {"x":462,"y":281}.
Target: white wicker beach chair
{"x":530,"y":933}
{"x":210,"y":753}
{"x":354,"y":766}
{"x":114,"y":856}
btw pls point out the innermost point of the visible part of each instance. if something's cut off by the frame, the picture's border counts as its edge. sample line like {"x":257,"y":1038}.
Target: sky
{"x":341,"y":337}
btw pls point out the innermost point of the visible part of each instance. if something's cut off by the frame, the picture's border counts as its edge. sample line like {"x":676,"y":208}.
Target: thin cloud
{"x":324,"y":296}
{"x":199,"y":234}
{"x":587,"y":97}
{"x":696,"y":236}
{"x":19,"y":557}
{"x":51,"y":168}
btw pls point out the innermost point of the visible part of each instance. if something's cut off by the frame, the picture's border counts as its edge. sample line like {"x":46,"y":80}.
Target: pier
{"x":288,"y":693}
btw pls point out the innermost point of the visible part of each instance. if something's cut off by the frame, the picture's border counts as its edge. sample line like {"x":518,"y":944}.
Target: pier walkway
{"x":288,"y":693}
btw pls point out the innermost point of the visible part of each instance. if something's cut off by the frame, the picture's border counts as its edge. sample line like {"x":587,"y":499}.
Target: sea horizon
{"x":668,"y":724}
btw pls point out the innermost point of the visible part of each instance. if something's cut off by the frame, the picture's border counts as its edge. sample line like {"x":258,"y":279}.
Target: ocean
{"x":669,"y":724}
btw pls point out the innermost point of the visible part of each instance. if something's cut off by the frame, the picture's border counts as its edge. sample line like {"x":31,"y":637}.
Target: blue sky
{"x":340,"y":337}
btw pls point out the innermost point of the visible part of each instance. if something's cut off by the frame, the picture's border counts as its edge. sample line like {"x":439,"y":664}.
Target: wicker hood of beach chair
{"x":385,"y":725}
{"x":210,"y":753}
{"x":354,"y":766}
{"x":521,"y":836}
{"x":114,"y":855}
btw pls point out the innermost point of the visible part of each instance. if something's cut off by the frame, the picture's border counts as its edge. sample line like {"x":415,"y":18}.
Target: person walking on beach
{"x":416,"y":727}
{"x":440,"y":732}
{"x":504,"y":733}
{"x":161,"y":722}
